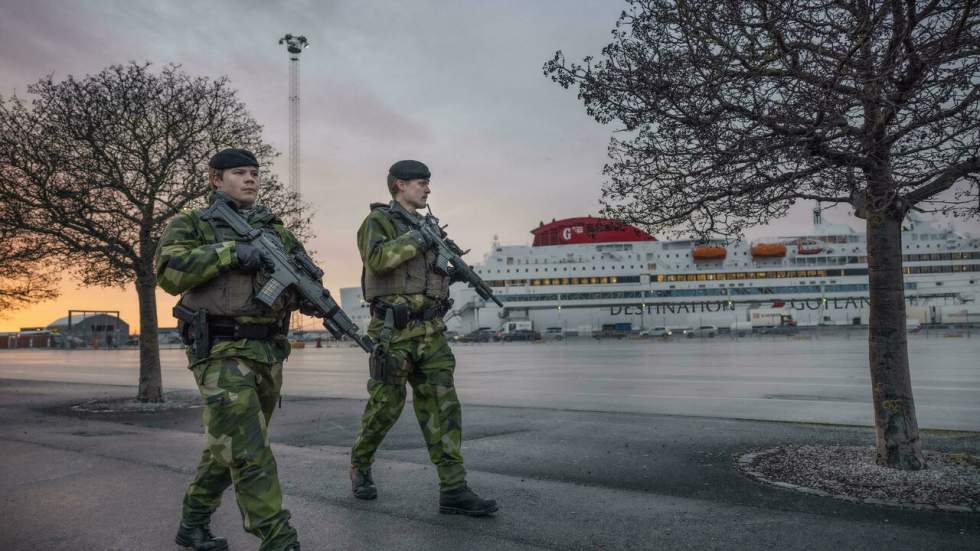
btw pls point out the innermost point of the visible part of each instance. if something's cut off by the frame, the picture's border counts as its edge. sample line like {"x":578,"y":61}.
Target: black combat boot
{"x":199,"y":538}
{"x":462,"y":501}
{"x":362,"y":484}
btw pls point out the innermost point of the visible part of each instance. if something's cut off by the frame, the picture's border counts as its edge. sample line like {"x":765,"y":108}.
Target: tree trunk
{"x":896,"y":429}
{"x":151,"y":383}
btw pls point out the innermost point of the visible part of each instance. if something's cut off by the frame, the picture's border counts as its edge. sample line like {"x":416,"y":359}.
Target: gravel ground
{"x":179,"y":399}
{"x":952,"y":481}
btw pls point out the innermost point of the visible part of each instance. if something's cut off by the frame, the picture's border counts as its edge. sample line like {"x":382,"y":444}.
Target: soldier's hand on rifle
{"x":421,"y":240}
{"x":307,"y":308}
{"x":251,"y":259}
{"x":455,"y":276}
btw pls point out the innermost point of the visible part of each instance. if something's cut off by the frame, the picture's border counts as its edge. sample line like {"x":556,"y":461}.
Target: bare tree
{"x":26,"y":274}
{"x":732,"y":111}
{"x":99,"y":165}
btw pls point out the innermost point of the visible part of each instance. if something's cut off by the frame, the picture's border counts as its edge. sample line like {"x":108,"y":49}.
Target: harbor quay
{"x":819,"y":376}
{"x":585,"y":444}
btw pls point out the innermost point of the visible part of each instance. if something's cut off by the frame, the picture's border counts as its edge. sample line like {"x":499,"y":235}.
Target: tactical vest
{"x":232,"y":293}
{"x":414,"y":276}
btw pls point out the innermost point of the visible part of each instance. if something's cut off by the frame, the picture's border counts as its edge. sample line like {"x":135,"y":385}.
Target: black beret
{"x":409,"y":170}
{"x":230,"y":158}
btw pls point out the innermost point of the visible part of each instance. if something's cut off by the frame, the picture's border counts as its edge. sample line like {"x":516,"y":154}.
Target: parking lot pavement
{"x":564,"y":480}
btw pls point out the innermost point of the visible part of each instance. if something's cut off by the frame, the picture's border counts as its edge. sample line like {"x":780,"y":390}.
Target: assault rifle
{"x":297,"y":271}
{"x":449,"y":253}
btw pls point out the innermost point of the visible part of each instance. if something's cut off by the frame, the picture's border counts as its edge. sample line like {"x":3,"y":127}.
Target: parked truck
{"x":515,"y":325}
{"x":741,"y":328}
{"x":947,"y":314}
{"x":955,"y":314}
{"x":767,"y":318}
{"x":518,"y":330}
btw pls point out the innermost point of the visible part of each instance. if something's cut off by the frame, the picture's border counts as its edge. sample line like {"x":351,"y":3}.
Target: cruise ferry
{"x":587,"y":275}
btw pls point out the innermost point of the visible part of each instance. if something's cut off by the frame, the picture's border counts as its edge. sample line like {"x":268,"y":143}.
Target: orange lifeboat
{"x":808,"y":246}
{"x":769,"y":250}
{"x":709,"y":252}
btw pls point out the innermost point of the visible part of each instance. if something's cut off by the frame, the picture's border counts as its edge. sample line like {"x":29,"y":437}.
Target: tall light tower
{"x":294,"y":45}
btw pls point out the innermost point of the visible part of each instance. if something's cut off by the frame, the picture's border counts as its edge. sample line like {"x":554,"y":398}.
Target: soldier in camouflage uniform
{"x":399,"y":275}
{"x":240,"y":374}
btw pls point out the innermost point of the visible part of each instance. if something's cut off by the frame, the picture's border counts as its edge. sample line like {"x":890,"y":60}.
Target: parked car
{"x":480,"y":335}
{"x":780,"y":330}
{"x":522,"y":335}
{"x":609,"y":334}
{"x":704,"y":331}
{"x":656,"y":332}
{"x":553,"y":333}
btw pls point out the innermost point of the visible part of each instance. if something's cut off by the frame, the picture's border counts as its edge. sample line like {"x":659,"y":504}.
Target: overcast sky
{"x":455,"y":84}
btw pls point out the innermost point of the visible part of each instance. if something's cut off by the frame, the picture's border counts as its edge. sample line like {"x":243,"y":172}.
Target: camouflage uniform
{"x":427,"y":361}
{"x":239,"y":381}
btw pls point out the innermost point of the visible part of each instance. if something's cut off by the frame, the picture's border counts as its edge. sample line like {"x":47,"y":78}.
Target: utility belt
{"x":201,"y":331}
{"x":227,"y":329}
{"x":403,"y":313}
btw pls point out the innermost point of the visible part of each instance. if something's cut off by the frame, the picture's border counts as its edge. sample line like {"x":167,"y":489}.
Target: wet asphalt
{"x":565,"y":479}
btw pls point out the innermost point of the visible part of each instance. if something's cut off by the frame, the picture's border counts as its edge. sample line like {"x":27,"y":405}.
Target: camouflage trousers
{"x":240,"y":395}
{"x":428,"y":366}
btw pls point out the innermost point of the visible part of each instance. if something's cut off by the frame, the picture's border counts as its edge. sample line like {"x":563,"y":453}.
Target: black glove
{"x":308,"y":309}
{"x":421,"y":240}
{"x":250,"y":258}
{"x":455,"y":276}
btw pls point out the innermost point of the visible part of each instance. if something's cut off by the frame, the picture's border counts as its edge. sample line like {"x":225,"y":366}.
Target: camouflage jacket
{"x":382,"y":249}
{"x":189,"y":254}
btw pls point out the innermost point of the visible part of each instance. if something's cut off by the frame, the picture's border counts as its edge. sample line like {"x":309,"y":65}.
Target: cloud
{"x":455,"y":84}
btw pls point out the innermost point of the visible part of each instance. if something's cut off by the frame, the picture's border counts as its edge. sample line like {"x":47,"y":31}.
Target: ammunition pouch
{"x":383,"y":366}
{"x":403,"y":314}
